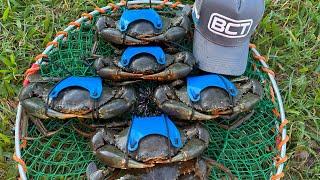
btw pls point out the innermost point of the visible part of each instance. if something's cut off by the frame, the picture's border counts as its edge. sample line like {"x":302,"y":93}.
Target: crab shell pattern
{"x":143,"y":32}
{"x":214,"y":102}
{"x":111,"y":148}
{"x":75,"y":102}
{"x":145,"y":66}
{"x":197,"y":169}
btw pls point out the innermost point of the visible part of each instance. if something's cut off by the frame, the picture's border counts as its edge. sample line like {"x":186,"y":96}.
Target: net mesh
{"x":247,"y":151}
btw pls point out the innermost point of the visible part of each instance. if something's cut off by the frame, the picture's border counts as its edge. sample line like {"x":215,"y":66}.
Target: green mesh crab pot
{"x":255,"y":150}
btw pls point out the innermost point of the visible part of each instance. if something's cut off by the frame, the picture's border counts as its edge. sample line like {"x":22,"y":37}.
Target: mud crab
{"x":142,"y":26}
{"x":146,"y":62}
{"x":197,"y":168}
{"x":75,"y":101}
{"x":211,"y":101}
{"x":116,"y":150}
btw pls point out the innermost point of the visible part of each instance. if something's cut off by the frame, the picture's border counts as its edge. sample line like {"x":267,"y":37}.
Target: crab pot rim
{"x":108,"y":8}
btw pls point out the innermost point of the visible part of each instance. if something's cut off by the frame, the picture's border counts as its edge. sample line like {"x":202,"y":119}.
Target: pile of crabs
{"x":150,"y":96}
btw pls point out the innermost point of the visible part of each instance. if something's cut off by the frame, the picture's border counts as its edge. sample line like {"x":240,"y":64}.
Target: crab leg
{"x":237,"y":123}
{"x":42,"y":129}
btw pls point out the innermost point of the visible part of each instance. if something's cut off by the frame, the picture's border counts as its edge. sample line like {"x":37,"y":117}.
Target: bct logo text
{"x":228,"y":27}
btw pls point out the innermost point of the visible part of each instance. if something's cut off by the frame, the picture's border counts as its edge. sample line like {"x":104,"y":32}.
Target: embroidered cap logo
{"x":227,"y":27}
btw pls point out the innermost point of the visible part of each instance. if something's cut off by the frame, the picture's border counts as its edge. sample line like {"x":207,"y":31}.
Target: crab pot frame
{"x":275,"y":96}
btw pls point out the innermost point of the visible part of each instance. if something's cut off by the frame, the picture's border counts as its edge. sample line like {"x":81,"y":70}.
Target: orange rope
{"x":278,"y":176}
{"x":123,"y":2}
{"x":283,"y":124}
{"x":40,"y":56}
{"x":175,"y":4}
{"x":276,"y":112}
{"x":272,"y":94}
{"x":54,"y":43}
{"x":251,"y":45}
{"x":113,"y":6}
{"x":24,"y":143}
{"x":280,"y":160}
{"x":89,"y":16}
{"x":260,"y":58}
{"x":100,"y":10}
{"x":74,"y":24}
{"x":267,"y":70}
{"x":65,"y":34}
{"x":135,"y":6}
{"x":161,"y":6}
{"x":20,"y":161}
{"x":25,"y":82}
{"x":32,"y":70}
{"x":279,"y":146}
{"x":279,"y":142}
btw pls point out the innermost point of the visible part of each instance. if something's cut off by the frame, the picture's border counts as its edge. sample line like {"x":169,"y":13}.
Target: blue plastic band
{"x":159,"y":125}
{"x":197,"y":84}
{"x":131,"y":15}
{"x":92,"y":84}
{"x":132,"y":51}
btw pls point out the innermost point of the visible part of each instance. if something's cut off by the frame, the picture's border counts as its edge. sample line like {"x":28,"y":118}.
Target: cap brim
{"x":219,"y":59}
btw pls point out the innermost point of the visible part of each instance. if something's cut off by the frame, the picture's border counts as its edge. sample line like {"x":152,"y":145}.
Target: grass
{"x":288,"y":35}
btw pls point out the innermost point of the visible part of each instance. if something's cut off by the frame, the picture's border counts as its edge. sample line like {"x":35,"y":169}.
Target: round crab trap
{"x":255,"y":150}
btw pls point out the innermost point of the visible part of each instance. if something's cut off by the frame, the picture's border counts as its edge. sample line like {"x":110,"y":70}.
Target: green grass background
{"x":288,"y":35}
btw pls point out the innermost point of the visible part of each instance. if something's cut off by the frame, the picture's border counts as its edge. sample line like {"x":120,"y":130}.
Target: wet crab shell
{"x":214,"y":102}
{"x":143,"y":32}
{"x":145,"y":66}
{"x":193,"y":169}
{"x":110,"y":148}
{"x":76,"y":102}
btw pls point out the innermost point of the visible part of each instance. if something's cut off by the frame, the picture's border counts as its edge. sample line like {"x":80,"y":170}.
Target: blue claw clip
{"x":197,"y":84}
{"x":160,"y":125}
{"x":132,"y":51}
{"x":92,"y":84}
{"x":132,"y":15}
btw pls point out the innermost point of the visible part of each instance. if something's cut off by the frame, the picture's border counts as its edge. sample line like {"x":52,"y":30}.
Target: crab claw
{"x":37,"y":108}
{"x":191,"y":150}
{"x":175,"y":71}
{"x":115,"y":36}
{"x":106,"y":69}
{"x":173,"y":34}
{"x":163,"y":98}
{"x":182,"y":66}
{"x":93,"y":173}
{"x":195,"y":146}
{"x":112,"y":156}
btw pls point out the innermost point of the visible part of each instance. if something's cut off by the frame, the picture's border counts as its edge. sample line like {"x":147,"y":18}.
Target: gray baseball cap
{"x":222,"y":33}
